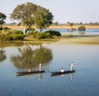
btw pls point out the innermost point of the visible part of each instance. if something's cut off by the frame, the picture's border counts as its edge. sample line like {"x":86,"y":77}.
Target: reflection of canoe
{"x":61,"y":73}
{"x":29,"y":73}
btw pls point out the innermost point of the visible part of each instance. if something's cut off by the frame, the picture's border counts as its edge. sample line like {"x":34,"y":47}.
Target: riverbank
{"x":87,"y":39}
{"x":56,"y":26}
{"x":68,"y":39}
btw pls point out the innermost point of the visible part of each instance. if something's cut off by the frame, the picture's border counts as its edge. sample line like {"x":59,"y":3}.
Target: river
{"x":19,"y":58}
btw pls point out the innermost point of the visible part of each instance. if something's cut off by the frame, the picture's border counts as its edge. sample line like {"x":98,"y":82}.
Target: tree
{"x":2,"y":18}
{"x":70,"y":24}
{"x":42,"y":18}
{"x":24,"y":13}
{"x":82,"y":28}
{"x":56,"y":23}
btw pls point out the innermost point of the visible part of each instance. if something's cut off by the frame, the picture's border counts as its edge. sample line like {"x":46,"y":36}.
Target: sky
{"x":64,"y":11}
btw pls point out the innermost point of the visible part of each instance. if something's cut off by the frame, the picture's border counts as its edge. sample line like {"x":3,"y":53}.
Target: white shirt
{"x":62,"y":70}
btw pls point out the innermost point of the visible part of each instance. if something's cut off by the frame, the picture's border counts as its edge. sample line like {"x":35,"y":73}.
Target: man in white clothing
{"x":71,"y":66}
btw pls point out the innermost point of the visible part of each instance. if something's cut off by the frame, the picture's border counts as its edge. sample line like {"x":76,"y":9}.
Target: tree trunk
{"x":41,"y":29}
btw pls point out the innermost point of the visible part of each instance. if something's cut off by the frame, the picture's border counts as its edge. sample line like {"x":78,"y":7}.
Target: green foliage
{"x":42,"y":18}
{"x":46,"y":34}
{"x":1,"y":28}
{"x":53,"y":33}
{"x":81,"y":28}
{"x":24,"y":13}
{"x":2,"y":18}
{"x":11,"y":35}
{"x":38,"y":35}
{"x":6,"y":28}
{"x":4,"y":37}
{"x":31,"y":29}
{"x":17,"y":35}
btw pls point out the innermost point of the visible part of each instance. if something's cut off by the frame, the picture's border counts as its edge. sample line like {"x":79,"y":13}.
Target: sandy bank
{"x":79,"y":40}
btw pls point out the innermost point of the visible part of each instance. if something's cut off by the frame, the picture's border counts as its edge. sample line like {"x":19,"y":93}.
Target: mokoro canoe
{"x":61,"y":73}
{"x":29,"y":73}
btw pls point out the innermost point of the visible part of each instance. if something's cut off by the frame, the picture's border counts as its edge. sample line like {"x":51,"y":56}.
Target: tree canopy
{"x":2,"y":18}
{"x":29,"y":13}
{"x":24,"y":13}
{"x":42,"y":18}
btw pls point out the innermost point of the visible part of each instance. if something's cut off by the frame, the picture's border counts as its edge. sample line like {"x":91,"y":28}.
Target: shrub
{"x":11,"y":35}
{"x":81,"y":28}
{"x":6,"y":28}
{"x":53,"y":33}
{"x":30,"y":33}
{"x":18,"y":32}
{"x":46,"y":34}
{"x":31,"y":29}
{"x":1,"y":28}
{"x":4,"y":37}
{"x":17,"y":35}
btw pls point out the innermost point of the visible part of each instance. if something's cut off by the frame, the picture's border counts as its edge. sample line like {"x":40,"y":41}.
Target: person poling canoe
{"x":71,"y":66}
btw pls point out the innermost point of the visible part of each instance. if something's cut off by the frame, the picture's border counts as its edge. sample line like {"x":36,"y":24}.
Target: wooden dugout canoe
{"x":29,"y":73}
{"x":61,"y":73}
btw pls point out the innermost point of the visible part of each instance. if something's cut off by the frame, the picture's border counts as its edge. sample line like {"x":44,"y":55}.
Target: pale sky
{"x":75,"y":11}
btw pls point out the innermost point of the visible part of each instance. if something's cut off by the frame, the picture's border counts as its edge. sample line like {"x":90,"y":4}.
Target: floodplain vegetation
{"x":6,"y":34}
{"x":49,"y":36}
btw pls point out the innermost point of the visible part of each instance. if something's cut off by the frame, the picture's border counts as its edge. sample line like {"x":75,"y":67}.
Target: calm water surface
{"x":84,"y":82}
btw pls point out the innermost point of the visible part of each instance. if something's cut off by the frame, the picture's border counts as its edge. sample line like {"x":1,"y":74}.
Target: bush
{"x":31,"y":29}
{"x":53,"y":33}
{"x":4,"y":37}
{"x":11,"y":35}
{"x":30,"y":33}
{"x":47,"y":35}
{"x":17,"y":35}
{"x":81,"y":28}
{"x":1,"y":28}
{"x":6,"y":28}
{"x":18,"y":32}
{"x":43,"y":35}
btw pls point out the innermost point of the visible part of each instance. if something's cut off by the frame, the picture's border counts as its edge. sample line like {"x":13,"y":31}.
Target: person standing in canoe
{"x":40,"y":66}
{"x":71,"y":66}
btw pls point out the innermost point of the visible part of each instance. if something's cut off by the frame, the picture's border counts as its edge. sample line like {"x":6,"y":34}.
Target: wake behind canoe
{"x":28,"y":73}
{"x":60,"y":73}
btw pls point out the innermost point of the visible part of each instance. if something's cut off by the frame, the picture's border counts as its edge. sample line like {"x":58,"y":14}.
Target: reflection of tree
{"x":29,"y":58}
{"x":42,"y":55}
{"x":2,"y":55}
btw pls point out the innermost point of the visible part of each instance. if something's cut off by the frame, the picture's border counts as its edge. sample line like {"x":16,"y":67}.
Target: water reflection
{"x":2,"y":55}
{"x":29,"y":59}
{"x":71,"y":76}
{"x":62,"y":74}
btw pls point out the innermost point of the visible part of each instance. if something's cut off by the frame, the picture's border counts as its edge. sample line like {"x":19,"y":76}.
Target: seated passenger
{"x":62,"y":70}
